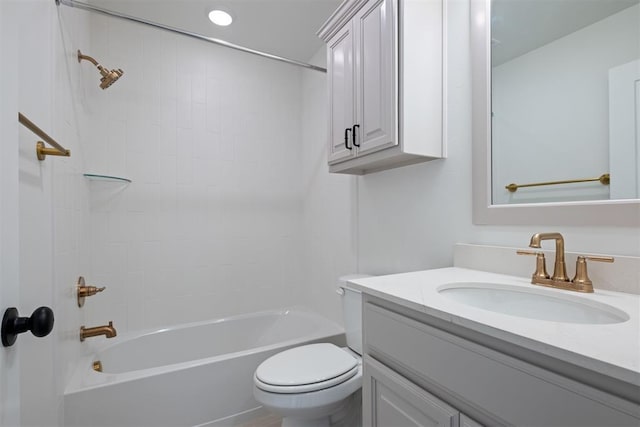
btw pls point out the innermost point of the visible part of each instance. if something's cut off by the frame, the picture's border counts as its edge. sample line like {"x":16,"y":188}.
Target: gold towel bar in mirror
{"x":604,"y":179}
{"x":42,"y":151}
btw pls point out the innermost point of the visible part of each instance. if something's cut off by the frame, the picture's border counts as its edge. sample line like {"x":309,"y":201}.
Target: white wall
{"x":330,"y":206}
{"x":551,"y":111}
{"x":398,"y":220}
{"x":51,"y":200}
{"x":9,"y":210}
{"x":36,"y":237}
{"x":211,"y":225}
{"x":410,"y":218}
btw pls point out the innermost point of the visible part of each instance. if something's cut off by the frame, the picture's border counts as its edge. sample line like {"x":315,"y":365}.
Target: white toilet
{"x":317,"y":385}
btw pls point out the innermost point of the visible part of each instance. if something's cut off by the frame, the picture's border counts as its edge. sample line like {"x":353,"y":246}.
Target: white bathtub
{"x":189,"y":375}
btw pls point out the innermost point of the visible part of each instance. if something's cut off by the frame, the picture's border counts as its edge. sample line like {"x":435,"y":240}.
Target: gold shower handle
{"x":83,"y":291}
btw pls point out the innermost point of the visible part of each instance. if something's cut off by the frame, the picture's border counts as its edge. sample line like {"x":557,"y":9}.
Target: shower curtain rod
{"x":92,"y":8}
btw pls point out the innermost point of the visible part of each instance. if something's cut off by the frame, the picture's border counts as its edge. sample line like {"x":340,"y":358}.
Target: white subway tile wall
{"x":211,"y":225}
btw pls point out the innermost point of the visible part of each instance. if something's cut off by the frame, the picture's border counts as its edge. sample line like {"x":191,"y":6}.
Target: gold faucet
{"x":560,"y":267}
{"x":580,"y":282}
{"x":107,"y":330}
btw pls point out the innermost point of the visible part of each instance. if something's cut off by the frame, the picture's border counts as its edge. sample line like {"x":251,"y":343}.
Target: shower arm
{"x":88,"y":58}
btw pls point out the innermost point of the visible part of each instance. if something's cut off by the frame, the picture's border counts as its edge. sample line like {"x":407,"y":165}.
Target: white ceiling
{"x":287,"y":27}
{"x":281,"y":27}
{"x":519,"y":26}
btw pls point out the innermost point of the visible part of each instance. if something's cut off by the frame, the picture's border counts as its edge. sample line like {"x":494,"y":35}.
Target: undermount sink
{"x":538,"y":304}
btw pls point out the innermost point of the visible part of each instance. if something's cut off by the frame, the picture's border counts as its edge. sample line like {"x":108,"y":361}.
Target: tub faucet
{"x":107,"y":330}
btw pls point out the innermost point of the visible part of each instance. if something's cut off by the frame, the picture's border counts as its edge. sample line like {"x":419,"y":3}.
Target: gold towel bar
{"x":604,"y":179}
{"x":41,"y":150}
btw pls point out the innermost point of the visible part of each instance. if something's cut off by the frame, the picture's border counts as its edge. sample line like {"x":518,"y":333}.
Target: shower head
{"x":109,"y":77}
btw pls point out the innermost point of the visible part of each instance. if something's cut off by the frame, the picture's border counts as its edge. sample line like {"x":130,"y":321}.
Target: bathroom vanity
{"x":437,"y":352}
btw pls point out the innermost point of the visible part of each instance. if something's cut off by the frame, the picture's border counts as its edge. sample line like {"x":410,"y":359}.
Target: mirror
{"x":559,"y":69}
{"x":556,"y":98}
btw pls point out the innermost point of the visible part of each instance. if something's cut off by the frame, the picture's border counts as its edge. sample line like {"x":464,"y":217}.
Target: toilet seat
{"x":305,"y":369}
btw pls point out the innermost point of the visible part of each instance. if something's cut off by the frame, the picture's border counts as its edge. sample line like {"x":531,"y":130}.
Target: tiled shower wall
{"x":210,"y":137}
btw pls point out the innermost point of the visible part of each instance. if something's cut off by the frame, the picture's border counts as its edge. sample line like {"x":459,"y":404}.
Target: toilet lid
{"x":307,"y":368}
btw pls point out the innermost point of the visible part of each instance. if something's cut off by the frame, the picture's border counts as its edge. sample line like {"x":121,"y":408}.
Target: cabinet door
{"x":468,"y":422}
{"x":391,"y":400}
{"x":341,"y":95}
{"x":375,"y":38}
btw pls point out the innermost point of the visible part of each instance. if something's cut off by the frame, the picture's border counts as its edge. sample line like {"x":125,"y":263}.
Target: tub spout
{"x":107,"y":330}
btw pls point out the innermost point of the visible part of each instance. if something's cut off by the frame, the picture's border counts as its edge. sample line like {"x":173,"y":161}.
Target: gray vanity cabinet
{"x":468,"y":422}
{"x":420,"y":370}
{"x":392,"y":400}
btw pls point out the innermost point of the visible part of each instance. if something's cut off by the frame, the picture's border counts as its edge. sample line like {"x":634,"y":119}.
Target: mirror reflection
{"x":565,"y":100}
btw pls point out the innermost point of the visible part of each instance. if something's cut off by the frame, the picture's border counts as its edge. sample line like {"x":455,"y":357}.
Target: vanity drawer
{"x":510,"y":390}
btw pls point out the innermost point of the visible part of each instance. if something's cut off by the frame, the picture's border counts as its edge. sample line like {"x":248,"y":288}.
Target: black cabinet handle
{"x":40,"y":324}
{"x":346,"y":139}
{"x":353,"y":133}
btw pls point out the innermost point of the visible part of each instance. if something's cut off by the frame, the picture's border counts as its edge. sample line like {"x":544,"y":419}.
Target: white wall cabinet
{"x":385,"y":83}
{"x":340,"y":51}
{"x":417,"y":373}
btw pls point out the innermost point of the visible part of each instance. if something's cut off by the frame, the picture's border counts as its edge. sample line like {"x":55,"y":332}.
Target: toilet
{"x":318,"y":385}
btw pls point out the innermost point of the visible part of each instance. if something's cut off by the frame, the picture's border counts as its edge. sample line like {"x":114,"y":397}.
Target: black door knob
{"x":40,"y":324}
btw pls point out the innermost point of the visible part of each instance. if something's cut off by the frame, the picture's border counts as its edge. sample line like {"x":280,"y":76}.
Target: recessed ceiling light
{"x":220,"y":17}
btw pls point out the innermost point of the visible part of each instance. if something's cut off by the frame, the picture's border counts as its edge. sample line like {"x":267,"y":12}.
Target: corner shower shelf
{"x":106,"y":178}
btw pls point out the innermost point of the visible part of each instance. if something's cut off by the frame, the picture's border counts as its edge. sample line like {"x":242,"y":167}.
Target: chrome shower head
{"x":109,"y":77}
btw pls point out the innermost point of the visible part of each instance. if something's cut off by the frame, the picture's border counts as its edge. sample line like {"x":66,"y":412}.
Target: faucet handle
{"x":541,"y":268}
{"x":83,"y":291}
{"x":598,"y":258}
{"x":581,"y":281}
{"x":521,"y":252}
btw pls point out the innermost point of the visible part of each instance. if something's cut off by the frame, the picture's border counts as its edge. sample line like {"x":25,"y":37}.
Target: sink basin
{"x":538,"y":304}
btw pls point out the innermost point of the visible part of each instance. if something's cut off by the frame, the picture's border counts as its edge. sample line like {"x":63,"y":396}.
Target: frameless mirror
{"x":556,"y":108}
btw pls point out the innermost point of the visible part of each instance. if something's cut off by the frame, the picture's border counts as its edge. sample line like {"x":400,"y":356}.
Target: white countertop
{"x":611,"y":349}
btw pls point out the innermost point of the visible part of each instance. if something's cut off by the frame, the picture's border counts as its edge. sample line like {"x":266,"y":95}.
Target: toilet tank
{"x":352,"y":311}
